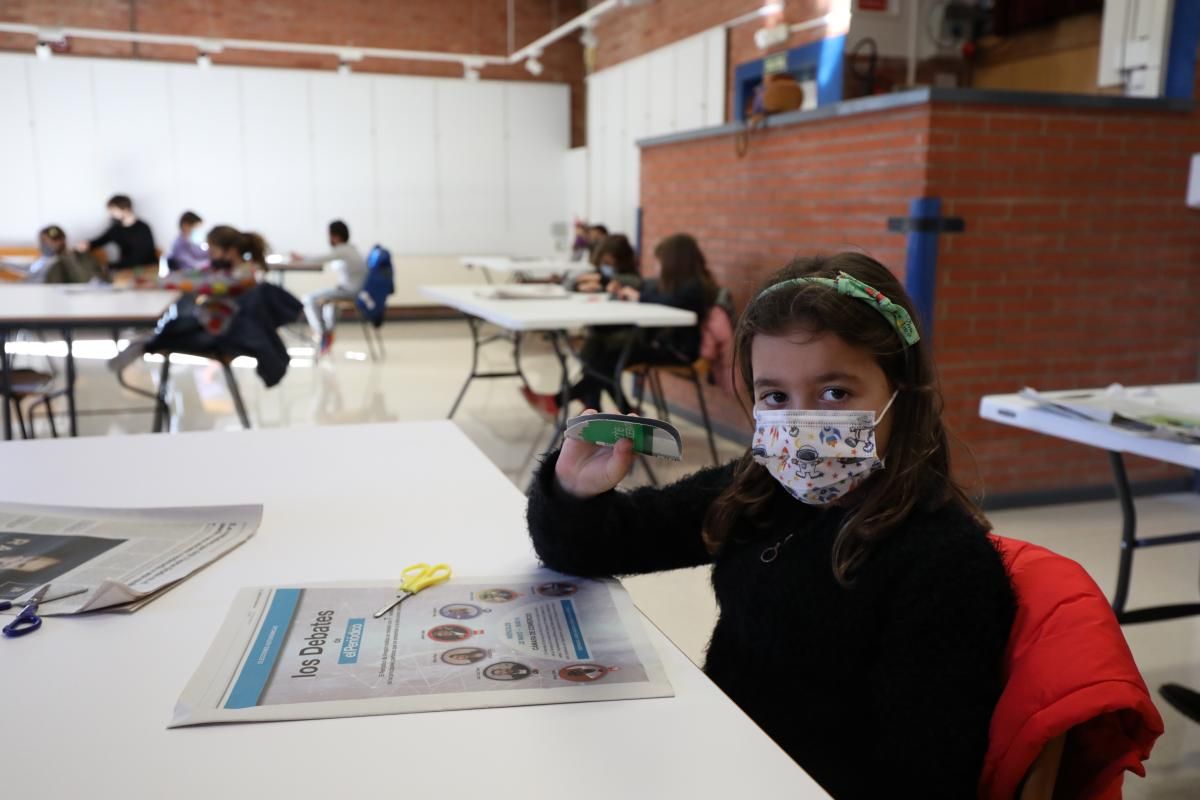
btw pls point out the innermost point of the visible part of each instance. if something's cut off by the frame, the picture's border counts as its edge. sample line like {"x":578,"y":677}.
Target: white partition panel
{"x":422,"y":165}
{"x":406,"y":154}
{"x":66,"y":178}
{"x":533,"y":192}
{"x":674,"y":88}
{"x":278,"y":145}
{"x":471,"y":167}
{"x":343,"y":164}
{"x":205,"y":113}
{"x":20,"y":202}
{"x":133,"y":140}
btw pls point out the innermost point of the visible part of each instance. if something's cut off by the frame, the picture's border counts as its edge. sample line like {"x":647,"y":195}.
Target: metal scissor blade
{"x":400,"y":598}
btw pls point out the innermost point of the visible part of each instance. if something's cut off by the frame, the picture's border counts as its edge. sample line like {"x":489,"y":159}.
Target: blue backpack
{"x":372,"y":298}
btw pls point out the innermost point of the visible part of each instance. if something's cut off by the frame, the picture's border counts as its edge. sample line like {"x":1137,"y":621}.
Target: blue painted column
{"x":922,"y":226}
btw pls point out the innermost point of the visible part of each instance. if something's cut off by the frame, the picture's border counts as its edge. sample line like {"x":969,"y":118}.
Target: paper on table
{"x":1138,"y":410}
{"x":317,"y":651}
{"x":118,"y":557}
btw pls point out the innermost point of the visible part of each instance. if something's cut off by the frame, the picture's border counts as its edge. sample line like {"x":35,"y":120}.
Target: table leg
{"x":68,"y":337}
{"x":474,"y":325}
{"x":1130,"y":543}
{"x":5,"y":384}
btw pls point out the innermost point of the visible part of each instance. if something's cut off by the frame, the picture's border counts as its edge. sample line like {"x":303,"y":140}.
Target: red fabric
{"x":1067,"y":668}
{"x":716,"y":345}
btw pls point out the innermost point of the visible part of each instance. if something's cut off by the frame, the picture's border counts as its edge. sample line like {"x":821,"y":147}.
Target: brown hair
{"x":617,"y":245}
{"x":53,"y":232}
{"x":683,"y":261}
{"x":189,"y":218}
{"x":250,"y":245}
{"x":918,"y":456}
{"x":120,"y":201}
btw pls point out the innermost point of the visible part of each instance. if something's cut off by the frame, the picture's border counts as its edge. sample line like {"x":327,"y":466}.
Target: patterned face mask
{"x":818,"y":456}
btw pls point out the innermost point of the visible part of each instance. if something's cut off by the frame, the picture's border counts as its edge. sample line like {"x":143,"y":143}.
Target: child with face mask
{"x":864,"y":613}
{"x":188,"y":250}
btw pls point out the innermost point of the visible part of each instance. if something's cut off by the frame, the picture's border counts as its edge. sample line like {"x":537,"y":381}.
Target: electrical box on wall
{"x":1193,"y":189}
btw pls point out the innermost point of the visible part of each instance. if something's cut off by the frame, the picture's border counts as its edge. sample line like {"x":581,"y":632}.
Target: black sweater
{"x":884,"y":689}
{"x":690,"y":297}
{"x":135,"y":242}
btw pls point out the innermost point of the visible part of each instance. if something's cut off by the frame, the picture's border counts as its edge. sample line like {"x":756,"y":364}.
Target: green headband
{"x":852,"y":287}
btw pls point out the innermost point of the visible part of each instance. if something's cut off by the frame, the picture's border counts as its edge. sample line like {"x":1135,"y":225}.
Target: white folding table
{"x":555,"y":318}
{"x":68,"y":308}
{"x":523,"y":269}
{"x":86,"y":700}
{"x":1014,"y":410}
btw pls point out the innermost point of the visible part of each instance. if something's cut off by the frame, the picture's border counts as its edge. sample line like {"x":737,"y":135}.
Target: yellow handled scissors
{"x":414,"y":579}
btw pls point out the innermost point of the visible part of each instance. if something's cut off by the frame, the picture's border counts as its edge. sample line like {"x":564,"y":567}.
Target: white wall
{"x":576,"y":167}
{"x":674,"y":88}
{"x":422,"y":165}
{"x":891,"y":30}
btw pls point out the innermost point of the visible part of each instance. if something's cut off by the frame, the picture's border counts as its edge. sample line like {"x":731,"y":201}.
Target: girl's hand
{"x":629,"y":294}
{"x":586,"y":470}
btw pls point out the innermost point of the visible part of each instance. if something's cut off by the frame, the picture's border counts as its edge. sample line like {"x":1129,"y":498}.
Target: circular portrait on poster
{"x":463,"y":656}
{"x":449,"y":633}
{"x":584,"y":673}
{"x":507,"y":671}
{"x":461,"y":611}
{"x":497,"y":595}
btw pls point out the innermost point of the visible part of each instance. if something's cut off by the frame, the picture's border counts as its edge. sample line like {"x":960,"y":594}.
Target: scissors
{"x":414,"y":579}
{"x":27,"y":621}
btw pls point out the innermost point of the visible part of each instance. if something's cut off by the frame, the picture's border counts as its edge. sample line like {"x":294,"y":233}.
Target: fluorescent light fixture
{"x":203,"y":61}
{"x":43,"y":51}
{"x":275,"y":258}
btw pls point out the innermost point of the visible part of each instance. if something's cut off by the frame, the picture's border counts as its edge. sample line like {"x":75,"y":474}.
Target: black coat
{"x":884,"y":689}
{"x":252,"y":331}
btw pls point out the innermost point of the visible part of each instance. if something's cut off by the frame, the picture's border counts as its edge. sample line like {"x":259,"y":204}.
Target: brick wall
{"x":1080,"y":265}
{"x":827,"y":186}
{"x":458,"y":26}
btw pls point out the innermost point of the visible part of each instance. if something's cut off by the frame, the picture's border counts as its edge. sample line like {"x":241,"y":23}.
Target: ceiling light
{"x":43,"y":51}
{"x":204,"y":60}
{"x":588,"y":38}
{"x":471,"y":70}
{"x":533,"y":64}
{"x":344,"y":68}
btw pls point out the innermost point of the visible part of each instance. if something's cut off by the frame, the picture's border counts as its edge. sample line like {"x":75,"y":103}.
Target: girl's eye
{"x":774,"y":398}
{"x":834,"y":395}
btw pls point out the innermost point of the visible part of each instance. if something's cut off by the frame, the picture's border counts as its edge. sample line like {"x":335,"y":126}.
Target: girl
{"x":864,"y":613}
{"x":615,"y":261}
{"x":230,"y":249}
{"x":684,"y":282}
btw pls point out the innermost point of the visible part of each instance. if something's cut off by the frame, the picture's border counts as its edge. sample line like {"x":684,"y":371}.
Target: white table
{"x":1011,"y":409}
{"x":523,"y":269}
{"x":86,"y":700}
{"x":68,"y":308}
{"x":555,"y":318}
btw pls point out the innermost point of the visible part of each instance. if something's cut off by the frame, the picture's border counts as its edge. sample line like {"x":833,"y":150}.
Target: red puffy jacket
{"x":1067,"y":668}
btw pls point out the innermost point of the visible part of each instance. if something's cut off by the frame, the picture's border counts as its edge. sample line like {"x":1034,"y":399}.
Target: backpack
{"x":372,"y":298}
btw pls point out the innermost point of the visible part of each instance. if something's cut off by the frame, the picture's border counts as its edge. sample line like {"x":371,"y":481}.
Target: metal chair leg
{"x":162,"y":412}
{"x":16,"y":404}
{"x":231,"y":381}
{"x":366,"y":326}
{"x":712,"y":444}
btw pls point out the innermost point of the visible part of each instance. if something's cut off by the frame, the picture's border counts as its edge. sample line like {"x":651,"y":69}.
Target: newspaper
{"x":108,"y":558}
{"x":1138,"y":410}
{"x":317,"y":651}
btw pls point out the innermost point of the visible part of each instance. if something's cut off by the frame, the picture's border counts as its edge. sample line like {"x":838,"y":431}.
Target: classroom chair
{"x":373,"y":334}
{"x":716,"y":344}
{"x":162,"y":411}
{"x":1074,"y":712}
{"x":29,"y":383}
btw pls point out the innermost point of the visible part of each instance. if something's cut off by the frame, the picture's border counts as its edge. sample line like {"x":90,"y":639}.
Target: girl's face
{"x":819,"y":371}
